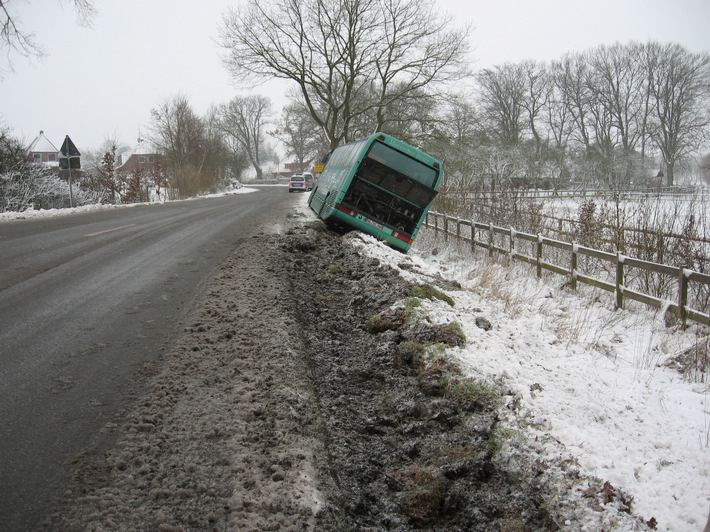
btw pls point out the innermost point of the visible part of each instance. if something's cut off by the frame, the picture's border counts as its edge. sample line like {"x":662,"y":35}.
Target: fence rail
{"x":480,"y":206}
{"x":590,"y":192}
{"x":508,"y":241}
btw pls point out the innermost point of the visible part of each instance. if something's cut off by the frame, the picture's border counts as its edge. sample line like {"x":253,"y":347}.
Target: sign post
{"x":68,"y":152}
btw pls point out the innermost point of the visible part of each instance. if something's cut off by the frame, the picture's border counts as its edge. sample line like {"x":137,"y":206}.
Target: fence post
{"x":619,"y":280}
{"x":490,"y":239}
{"x":539,"y":255}
{"x":458,"y":229}
{"x":683,"y":295}
{"x":446,"y":228}
{"x":512,"y":243}
{"x":436,"y":225}
{"x":573,"y":265}
{"x":473,"y":236}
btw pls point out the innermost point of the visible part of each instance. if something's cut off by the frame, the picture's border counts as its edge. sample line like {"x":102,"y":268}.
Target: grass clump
{"x":411,"y":304}
{"x":409,"y":353}
{"x":452,"y":334}
{"x":499,"y":436}
{"x":394,"y":318}
{"x":422,"y":493}
{"x":473,"y":395}
{"x":427,"y":291}
{"x":433,"y":370}
{"x":390,"y":319}
{"x":335,"y":269}
{"x":438,"y":375}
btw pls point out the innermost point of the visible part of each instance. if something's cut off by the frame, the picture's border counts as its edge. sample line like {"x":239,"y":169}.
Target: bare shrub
{"x":588,"y":224}
{"x":693,"y":363}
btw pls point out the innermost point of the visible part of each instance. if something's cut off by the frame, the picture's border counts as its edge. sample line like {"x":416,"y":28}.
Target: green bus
{"x":379,"y":185}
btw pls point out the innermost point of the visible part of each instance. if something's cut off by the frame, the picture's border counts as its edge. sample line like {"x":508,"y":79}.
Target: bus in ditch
{"x":379,"y":185}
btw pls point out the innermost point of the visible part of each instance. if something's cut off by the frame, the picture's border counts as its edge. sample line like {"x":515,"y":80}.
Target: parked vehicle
{"x":298,"y":183}
{"x":379,"y":185}
{"x":310,"y":180}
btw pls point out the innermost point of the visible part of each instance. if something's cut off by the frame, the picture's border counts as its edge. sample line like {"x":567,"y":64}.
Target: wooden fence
{"x":634,"y":238}
{"x":591,"y":192}
{"x":507,"y":241}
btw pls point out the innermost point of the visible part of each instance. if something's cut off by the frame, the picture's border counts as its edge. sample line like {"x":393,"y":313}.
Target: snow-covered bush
{"x":37,"y":187}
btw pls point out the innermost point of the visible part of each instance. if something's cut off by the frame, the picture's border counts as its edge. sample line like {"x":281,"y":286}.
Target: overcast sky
{"x":102,"y":82}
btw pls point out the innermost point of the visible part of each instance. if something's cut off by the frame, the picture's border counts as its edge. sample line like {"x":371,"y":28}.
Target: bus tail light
{"x":347,"y":211}
{"x":403,"y":238}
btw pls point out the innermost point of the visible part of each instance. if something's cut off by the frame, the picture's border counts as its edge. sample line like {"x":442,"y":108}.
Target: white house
{"x":42,"y":151}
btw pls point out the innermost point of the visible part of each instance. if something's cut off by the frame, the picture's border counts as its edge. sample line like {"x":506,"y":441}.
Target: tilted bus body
{"x":379,"y":185}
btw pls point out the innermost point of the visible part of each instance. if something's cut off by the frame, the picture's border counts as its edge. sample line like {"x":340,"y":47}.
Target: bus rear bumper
{"x":401,"y":241}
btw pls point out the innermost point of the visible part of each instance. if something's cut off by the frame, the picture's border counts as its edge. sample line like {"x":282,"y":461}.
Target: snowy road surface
{"x":85,"y":301}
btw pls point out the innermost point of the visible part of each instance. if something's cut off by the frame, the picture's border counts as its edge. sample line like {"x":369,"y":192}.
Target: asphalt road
{"x":86,"y":301}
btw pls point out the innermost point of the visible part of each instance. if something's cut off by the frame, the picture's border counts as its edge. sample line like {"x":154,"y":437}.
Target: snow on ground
{"x":588,"y":388}
{"x":587,"y":385}
{"x":47,"y":213}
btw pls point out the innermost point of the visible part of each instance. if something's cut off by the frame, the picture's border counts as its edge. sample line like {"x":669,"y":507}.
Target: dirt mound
{"x":404,"y":452}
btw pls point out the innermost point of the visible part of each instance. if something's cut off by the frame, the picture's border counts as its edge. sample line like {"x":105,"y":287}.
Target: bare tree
{"x":301,"y":136}
{"x":348,"y":58}
{"x":179,"y":134}
{"x":13,"y":153}
{"x":459,"y":136}
{"x":619,"y":85}
{"x":236,"y":159}
{"x":502,"y":91}
{"x":583,"y":90}
{"x":558,"y":118}
{"x":413,"y":118}
{"x":215,"y":164}
{"x":621,"y":89}
{"x":570,"y":75}
{"x":680,"y":87}
{"x":536,"y":97}
{"x":244,"y":119}
{"x":14,"y":39}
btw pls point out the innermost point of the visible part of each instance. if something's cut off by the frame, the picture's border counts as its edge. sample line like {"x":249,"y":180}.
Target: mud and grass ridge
{"x":410,"y":441}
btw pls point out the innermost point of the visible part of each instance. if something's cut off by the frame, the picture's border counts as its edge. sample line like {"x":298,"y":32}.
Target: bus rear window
{"x":403,"y":164}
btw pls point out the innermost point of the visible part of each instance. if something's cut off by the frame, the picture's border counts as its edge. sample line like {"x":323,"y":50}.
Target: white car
{"x":301,"y":182}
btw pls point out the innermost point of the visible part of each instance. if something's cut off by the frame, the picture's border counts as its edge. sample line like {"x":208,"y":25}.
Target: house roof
{"x":144,"y":147}
{"x":41,"y":144}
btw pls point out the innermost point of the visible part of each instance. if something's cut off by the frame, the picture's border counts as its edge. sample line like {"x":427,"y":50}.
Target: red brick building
{"x":142,"y":157}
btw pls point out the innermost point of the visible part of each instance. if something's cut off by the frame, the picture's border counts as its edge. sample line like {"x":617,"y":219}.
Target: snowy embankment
{"x":590,"y":391}
{"x":49,"y":213}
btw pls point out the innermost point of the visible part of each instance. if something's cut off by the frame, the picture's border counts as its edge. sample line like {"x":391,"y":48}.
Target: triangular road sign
{"x":68,"y":149}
